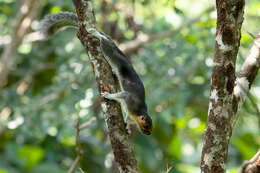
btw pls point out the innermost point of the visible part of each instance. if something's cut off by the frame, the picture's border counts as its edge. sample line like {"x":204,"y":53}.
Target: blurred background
{"x":46,"y":85}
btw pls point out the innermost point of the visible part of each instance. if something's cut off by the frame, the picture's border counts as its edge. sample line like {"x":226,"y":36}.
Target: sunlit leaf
{"x":32,"y":155}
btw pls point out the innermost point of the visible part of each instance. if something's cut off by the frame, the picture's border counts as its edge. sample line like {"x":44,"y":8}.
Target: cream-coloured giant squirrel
{"x":132,"y":94}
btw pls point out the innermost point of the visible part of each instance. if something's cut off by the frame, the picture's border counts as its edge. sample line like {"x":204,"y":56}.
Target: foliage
{"x":39,"y":135}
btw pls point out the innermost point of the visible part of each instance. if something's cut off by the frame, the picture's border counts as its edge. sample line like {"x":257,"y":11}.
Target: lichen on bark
{"x":119,"y":139}
{"x":222,"y":112}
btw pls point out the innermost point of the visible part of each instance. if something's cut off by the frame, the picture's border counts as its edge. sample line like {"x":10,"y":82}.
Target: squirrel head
{"x":144,"y":123}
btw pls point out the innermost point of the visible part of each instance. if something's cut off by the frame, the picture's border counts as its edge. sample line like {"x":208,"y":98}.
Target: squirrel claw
{"x":128,"y":129}
{"x":114,"y":72}
{"x":104,"y":94}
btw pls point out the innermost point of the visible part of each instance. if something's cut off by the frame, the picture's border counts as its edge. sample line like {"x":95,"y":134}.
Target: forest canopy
{"x":49,"y":84}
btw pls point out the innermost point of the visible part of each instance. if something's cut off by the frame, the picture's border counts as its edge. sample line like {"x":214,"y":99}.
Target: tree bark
{"x":224,"y":103}
{"x":215,"y":142}
{"x":119,"y":139}
{"x":252,"y":165}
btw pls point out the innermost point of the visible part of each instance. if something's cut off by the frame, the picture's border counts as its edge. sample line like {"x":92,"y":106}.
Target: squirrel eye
{"x":142,"y":117}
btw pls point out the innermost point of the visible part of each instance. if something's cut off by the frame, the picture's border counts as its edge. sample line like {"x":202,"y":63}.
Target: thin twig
{"x":168,"y":169}
{"x":74,"y":165}
{"x":249,"y":95}
{"x":252,"y":35}
{"x":251,"y":99}
{"x":86,"y":124}
{"x":79,"y":151}
{"x":81,"y":170}
{"x":143,"y":38}
{"x":78,"y":148}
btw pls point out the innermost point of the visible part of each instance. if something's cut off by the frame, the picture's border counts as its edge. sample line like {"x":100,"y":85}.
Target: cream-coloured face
{"x":144,"y":122}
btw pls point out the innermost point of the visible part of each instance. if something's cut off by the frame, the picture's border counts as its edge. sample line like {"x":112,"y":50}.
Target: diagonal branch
{"x":119,"y":139}
{"x":142,"y":38}
{"x":79,"y":150}
{"x":247,"y":73}
{"x":28,"y":11}
{"x":250,"y":67}
{"x":133,"y":45}
{"x":252,"y":165}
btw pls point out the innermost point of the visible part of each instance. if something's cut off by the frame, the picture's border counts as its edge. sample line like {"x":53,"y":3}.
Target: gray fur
{"x":53,"y":23}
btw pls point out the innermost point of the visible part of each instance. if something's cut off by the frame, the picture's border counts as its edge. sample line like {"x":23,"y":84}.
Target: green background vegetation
{"x":39,"y":134}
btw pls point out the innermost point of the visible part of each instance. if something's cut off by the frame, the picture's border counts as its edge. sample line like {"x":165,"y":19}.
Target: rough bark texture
{"x":119,"y":139}
{"x":252,"y":165}
{"x":250,"y":67}
{"x":223,"y":105}
{"x":28,"y":11}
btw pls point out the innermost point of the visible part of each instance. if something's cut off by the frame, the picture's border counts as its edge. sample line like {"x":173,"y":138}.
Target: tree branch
{"x":128,"y":47}
{"x":79,"y":151}
{"x":119,"y":139}
{"x":223,"y":106}
{"x":251,"y":65}
{"x":28,"y":11}
{"x":168,"y":169}
{"x":142,"y":38}
{"x":252,"y":165}
{"x":75,"y":164}
{"x":86,"y":124}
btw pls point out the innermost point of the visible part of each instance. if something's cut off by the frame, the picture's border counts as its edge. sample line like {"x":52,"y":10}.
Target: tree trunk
{"x":119,"y":139}
{"x":223,"y":105}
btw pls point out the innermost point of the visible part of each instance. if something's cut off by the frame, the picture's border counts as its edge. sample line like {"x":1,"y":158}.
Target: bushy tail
{"x":53,"y":23}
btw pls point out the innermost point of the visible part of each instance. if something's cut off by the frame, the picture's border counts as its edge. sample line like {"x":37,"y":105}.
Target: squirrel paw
{"x":114,"y":72}
{"x":105,"y":95}
{"x":128,"y":128}
{"x":96,"y":33}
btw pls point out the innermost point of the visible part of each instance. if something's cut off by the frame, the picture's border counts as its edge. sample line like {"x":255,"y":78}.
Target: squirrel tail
{"x":53,"y":23}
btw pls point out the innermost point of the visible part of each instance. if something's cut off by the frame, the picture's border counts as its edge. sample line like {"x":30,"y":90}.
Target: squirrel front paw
{"x":114,"y":72}
{"x":105,"y":95}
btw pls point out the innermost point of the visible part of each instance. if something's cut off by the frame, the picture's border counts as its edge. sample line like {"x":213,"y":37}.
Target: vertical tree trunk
{"x":119,"y":139}
{"x":223,"y":104}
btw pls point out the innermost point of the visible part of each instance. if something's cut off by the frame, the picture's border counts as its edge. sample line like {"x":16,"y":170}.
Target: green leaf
{"x":3,"y":170}
{"x":175,"y":147}
{"x":244,"y":148}
{"x":32,"y":155}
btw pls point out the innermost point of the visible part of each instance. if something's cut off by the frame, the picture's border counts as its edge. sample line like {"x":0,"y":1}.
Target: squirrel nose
{"x":147,"y":132}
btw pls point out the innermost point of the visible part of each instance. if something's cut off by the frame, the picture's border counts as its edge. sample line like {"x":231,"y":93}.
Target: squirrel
{"x":132,"y":94}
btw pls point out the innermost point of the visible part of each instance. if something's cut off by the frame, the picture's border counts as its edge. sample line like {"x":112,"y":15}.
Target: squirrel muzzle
{"x":144,"y":122}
